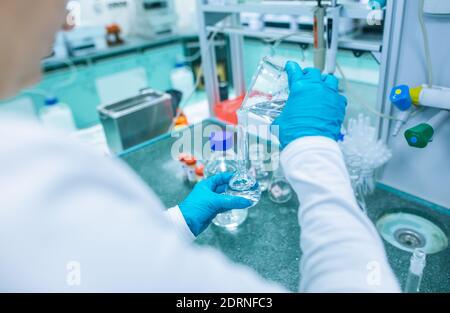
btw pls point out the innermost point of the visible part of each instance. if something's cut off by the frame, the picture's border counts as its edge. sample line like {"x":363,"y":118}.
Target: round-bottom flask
{"x":280,"y":190}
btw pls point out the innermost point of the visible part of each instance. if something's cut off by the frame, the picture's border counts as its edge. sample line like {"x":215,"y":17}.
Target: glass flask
{"x":223,"y":160}
{"x":354,"y":168}
{"x":269,"y":90}
{"x":280,"y":191}
{"x":244,"y":183}
{"x":258,"y":167}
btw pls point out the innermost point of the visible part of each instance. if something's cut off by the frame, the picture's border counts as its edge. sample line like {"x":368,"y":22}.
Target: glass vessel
{"x":244,"y":183}
{"x":269,"y":90}
{"x":417,"y":265}
{"x":280,"y":191}
{"x":258,"y":166}
{"x":223,"y":160}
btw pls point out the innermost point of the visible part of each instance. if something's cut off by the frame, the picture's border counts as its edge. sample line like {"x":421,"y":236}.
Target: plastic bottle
{"x":58,"y":116}
{"x":182,"y":79}
{"x":224,"y":160}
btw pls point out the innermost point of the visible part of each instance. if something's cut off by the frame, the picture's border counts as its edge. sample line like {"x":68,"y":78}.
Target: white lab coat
{"x":72,"y":221}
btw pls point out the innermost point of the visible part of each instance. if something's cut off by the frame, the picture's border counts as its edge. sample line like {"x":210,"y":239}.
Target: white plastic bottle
{"x":57,"y":116}
{"x":182,"y":79}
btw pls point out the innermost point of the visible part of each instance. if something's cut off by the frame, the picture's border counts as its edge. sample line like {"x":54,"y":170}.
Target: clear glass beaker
{"x":269,"y":89}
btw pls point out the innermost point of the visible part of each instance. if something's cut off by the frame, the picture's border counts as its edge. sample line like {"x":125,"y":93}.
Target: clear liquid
{"x":233,"y":218}
{"x":244,"y":184}
{"x":268,"y":110}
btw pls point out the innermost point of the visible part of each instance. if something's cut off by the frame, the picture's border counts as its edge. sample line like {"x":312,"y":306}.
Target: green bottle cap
{"x":419,"y":136}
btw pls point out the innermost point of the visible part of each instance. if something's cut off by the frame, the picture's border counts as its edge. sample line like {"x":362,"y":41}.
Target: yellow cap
{"x":398,"y":92}
{"x":415,"y":94}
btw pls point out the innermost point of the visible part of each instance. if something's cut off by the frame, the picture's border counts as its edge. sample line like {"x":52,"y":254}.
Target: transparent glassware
{"x":416,"y":268}
{"x":269,"y":90}
{"x":354,"y":168}
{"x":223,"y":160}
{"x":258,"y":166}
{"x":244,"y":183}
{"x":280,"y":191}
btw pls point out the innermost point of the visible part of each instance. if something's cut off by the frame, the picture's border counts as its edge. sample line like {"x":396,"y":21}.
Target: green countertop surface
{"x":269,"y":240}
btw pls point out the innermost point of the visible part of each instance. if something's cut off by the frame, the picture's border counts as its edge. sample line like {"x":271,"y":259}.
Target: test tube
{"x":417,"y":265}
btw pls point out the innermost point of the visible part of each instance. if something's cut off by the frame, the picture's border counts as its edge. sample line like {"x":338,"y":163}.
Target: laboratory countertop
{"x":269,"y":240}
{"x":131,"y":44}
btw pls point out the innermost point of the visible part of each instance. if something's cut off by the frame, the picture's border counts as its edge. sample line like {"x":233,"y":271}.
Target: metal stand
{"x":226,"y":19}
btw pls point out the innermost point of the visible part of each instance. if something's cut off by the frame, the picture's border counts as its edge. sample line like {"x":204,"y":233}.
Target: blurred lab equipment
{"x":377,"y":4}
{"x":421,"y":135}
{"x":85,"y":40}
{"x":280,"y":191}
{"x":113,"y":35}
{"x":319,"y":36}
{"x":405,"y":99}
{"x":182,"y":79}
{"x":135,"y":120}
{"x":224,"y":160}
{"x":333,"y":24}
{"x":226,"y":110}
{"x":363,"y":154}
{"x":57,"y":116}
{"x":154,"y":18}
{"x":268,"y":91}
{"x":415,"y":274}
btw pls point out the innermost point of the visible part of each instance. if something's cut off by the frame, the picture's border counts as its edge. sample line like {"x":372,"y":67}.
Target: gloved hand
{"x":314,"y":107}
{"x":206,"y":201}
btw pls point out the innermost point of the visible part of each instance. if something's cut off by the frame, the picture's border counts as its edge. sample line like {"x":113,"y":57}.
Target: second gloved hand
{"x":314,"y":107}
{"x":206,"y":201}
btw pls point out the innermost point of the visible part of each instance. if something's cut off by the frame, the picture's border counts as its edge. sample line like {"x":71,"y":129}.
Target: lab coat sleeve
{"x":342,"y":251}
{"x":74,"y":221}
{"x":179,"y":223}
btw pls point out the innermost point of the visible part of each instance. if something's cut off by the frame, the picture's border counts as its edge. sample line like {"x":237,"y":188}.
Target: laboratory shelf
{"x":349,"y":10}
{"x":269,"y":240}
{"x":353,"y":41}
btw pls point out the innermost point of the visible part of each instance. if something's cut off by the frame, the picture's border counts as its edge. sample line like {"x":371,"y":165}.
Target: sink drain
{"x":410,"y":238}
{"x":409,"y":232}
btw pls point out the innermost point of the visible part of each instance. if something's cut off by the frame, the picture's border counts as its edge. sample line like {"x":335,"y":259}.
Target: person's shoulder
{"x":18,"y":131}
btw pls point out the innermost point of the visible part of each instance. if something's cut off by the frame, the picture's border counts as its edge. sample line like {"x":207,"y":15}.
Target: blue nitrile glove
{"x":206,"y":201}
{"x":314,"y":107}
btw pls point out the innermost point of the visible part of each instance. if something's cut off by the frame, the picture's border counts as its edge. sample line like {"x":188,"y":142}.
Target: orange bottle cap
{"x":190,"y":160}
{"x":200,"y":170}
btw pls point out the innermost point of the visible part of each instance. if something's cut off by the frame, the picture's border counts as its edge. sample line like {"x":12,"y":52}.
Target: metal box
{"x":135,"y":120}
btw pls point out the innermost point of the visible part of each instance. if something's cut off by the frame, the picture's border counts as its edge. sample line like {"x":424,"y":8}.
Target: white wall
{"x":423,"y":173}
